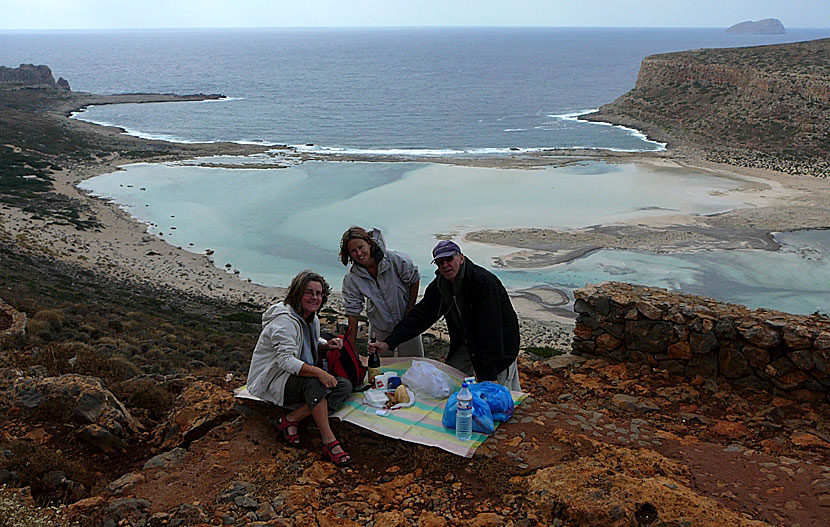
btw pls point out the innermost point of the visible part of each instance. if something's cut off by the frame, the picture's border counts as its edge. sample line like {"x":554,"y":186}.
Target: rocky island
{"x":768,"y":26}
{"x":119,"y":353}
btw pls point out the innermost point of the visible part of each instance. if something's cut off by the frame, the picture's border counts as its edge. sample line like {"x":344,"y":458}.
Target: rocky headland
{"x":763,"y":107}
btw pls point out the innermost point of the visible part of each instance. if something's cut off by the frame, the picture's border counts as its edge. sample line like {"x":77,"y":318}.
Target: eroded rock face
{"x":200,"y":407}
{"x":765,"y":107}
{"x":31,"y":76}
{"x":77,"y":398}
{"x":690,"y":335}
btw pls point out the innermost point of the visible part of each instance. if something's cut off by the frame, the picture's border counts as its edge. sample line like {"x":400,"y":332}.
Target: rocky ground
{"x":596,"y":443}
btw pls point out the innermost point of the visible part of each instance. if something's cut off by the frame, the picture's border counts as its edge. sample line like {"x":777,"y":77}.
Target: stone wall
{"x":690,"y":336}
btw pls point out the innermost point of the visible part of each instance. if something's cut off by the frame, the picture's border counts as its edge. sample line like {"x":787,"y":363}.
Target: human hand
{"x":334,"y":343}
{"x":328,"y":380}
{"x":379,"y":347}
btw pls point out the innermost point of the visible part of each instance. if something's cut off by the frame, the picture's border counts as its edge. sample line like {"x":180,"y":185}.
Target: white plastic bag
{"x":427,"y":381}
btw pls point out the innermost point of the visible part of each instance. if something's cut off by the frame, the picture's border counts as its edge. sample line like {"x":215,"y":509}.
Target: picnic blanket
{"x":420,"y":423}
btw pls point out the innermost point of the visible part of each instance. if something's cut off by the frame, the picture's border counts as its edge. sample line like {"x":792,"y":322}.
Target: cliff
{"x":768,"y":26}
{"x":29,"y":75}
{"x":762,"y":106}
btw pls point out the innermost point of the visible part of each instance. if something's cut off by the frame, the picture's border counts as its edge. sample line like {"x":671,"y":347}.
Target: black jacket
{"x":489,"y":326}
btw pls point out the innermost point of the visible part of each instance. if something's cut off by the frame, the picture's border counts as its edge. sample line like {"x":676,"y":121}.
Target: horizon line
{"x":201,"y":28}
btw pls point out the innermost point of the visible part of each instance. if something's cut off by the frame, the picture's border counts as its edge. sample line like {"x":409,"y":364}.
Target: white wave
{"x":514,"y":130}
{"x":574,"y":116}
{"x":415,"y":152}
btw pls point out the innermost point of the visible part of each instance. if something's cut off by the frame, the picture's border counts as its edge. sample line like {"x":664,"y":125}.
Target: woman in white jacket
{"x":386,"y":280}
{"x":283,"y":367}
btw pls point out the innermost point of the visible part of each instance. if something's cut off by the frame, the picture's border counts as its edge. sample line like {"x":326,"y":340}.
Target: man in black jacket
{"x":484,"y":329}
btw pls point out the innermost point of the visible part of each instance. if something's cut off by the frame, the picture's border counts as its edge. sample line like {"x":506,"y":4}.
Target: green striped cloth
{"x":420,"y":423}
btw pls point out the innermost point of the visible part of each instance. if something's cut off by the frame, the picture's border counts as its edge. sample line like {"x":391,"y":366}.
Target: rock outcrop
{"x":768,"y":26}
{"x":102,"y":420}
{"x":12,"y":321}
{"x":695,"y":336}
{"x":29,"y":75}
{"x":763,"y":106}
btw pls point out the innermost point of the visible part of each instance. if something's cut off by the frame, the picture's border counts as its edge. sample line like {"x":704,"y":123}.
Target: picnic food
{"x":401,"y":395}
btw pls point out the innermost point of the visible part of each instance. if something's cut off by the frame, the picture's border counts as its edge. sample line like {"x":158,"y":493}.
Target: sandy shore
{"x":122,"y":249}
{"x":771,"y":202}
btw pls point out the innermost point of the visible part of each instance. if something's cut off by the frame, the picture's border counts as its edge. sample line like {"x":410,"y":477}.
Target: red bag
{"x":344,"y":362}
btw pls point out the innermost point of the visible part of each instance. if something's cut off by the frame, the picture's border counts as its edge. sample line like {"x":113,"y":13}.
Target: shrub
{"x":144,"y":394}
{"x":53,"y":318}
{"x":31,"y":462}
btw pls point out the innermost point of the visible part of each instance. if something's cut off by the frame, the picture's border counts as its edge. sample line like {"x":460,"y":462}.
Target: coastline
{"x":122,"y":249}
{"x":775,"y":202}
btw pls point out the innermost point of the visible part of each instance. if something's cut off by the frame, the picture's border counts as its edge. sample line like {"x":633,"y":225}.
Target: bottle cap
{"x":464,"y":384}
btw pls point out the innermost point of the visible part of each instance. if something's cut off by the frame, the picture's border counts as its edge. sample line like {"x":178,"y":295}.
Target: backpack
{"x":344,"y":362}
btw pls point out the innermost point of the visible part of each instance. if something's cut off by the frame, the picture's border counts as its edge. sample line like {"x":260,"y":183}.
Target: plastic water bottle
{"x":464,"y":414}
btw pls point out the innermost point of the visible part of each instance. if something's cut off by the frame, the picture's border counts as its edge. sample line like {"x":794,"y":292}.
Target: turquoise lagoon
{"x":269,"y":223}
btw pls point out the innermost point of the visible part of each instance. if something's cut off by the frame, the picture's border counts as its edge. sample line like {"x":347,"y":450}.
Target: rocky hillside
{"x":116,"y":408}
{"x":762,"y":106}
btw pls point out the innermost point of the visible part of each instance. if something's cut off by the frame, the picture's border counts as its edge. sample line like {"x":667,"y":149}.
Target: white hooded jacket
{"x":388,"y":296}
{"x":277,"y":352}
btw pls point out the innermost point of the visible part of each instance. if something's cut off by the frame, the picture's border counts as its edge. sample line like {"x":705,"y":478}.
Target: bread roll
{"x":401,"y":395}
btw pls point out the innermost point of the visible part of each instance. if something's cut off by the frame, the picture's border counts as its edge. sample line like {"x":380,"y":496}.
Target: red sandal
{"x":337,"y":459}
{"x":283,"y":425}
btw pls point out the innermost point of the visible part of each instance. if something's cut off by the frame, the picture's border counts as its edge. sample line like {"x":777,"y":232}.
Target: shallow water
{"x":271,"y":223}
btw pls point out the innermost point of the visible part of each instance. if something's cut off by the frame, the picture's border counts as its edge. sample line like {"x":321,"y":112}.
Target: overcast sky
{"x":115,"y":14}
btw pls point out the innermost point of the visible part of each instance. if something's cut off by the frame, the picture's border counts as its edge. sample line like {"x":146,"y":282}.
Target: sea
{"x":424,"y":92}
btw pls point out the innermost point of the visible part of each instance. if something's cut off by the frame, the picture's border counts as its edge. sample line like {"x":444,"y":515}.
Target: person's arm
{"x":351,"y":331}
{"x":413,"y":295}
{"x":423,"y":315}
{"x":328,"y":380}
{"x":488,"y":340}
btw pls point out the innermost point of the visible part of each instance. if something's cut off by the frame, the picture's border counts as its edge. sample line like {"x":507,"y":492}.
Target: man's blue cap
{"x":444,"y":249}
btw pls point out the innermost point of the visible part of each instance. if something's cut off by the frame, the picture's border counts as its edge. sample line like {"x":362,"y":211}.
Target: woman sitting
{"x":388,"y":282}
{"x":283,"y":367}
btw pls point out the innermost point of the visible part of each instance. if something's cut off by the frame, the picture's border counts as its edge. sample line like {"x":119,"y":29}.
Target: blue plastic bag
{"x":482,"y":417}
{"x":497,"y":397}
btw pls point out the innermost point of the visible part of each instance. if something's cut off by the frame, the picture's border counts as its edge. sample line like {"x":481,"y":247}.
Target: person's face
{"x":449,"y":266}
{"x":312,"y":298}
{"x":360,"y":251}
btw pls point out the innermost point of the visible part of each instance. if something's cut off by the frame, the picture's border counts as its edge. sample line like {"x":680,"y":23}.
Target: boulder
{"x":200,"y":407}
{"x":79,"y":398}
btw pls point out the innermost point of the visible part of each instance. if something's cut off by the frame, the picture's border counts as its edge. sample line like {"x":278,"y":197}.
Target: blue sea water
{"x":422,"y":89}
{"x":480,"y":91}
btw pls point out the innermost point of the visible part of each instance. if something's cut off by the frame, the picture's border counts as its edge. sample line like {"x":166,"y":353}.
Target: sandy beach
{"x":121,"y":248}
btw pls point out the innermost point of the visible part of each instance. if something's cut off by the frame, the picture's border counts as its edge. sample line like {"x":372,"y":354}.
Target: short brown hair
{"x":358,"y":233}
{"x":298,"y":284}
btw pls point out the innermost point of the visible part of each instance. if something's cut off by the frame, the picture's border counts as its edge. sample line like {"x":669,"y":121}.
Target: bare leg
{"x":320,"y":413}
